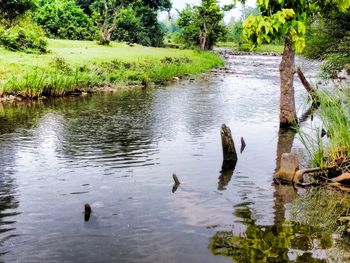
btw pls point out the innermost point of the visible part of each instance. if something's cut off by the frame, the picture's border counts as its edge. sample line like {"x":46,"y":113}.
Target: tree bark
{"x":288,"y":116}
{"x":228,"y":147}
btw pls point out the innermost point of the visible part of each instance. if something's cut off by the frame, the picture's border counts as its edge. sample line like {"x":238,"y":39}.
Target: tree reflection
{"x":285,"y":242}
{"x":226,"y":173}
{"x":281,"y":242}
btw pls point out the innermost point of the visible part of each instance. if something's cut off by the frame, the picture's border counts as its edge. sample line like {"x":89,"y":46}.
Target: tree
{"x":287,"y":18}
{"x":202,"y":25}
{"x":145,"y":11}
{"x":129,"y":27}
{"x":12,"y":8}
{"x":329,"y":40}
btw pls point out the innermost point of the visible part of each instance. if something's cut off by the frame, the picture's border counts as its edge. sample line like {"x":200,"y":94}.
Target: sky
{"x":179,"y":4}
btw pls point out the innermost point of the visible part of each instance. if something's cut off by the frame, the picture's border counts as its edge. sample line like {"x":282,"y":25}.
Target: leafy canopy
{"x":64,"y":19}
{"x":286,"y":17}
{"x":13,"y":8}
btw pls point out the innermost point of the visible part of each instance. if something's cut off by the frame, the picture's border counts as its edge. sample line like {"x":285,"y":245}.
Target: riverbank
{"x":78,"y":67}
{"x":271,"y":49}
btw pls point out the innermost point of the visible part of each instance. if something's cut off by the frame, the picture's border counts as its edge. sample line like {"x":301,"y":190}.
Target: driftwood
{"x":307,"y":114}
{"x":332,"y":174}
{"x":309,"y":88}
{"x":176,"y":183}
{"x":313,"y":93}
{"x":176,"y":180}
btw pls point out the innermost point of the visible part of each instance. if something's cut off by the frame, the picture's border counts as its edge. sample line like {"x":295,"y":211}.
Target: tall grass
{"x":334,"y":115}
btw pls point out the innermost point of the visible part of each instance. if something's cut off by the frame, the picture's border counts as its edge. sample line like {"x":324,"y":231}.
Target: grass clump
{"x":328,"y":144}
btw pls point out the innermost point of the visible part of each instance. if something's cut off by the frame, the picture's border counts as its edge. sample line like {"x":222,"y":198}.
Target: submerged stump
{"x":228,"y":147}
{"x":87,"y":212}
{"x":288,"y":168}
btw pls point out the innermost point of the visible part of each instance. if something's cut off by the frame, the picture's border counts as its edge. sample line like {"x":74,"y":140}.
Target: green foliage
{"x":24,"y":35}
{"x":334,"y":113}
{"x":235,"y":32}
{"x":64,"y":19}
{"x":204,"y":20}
{"x":169,"y":26}
{"x":286,"y":18}
{"x":335,"y":63}
{"x":129,"y":27}
{"x":10,"y":9}
{"x":142,"y":14}
{"x":329,"y":39}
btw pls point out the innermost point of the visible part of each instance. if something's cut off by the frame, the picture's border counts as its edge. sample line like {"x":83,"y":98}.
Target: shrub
{"x":24,"y":35}
{"x":64,"y":19}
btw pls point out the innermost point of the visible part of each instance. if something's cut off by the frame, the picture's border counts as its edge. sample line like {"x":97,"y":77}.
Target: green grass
{"x":334,"y":113}
{"x":84,"y":65}
{"x":272,"y":48}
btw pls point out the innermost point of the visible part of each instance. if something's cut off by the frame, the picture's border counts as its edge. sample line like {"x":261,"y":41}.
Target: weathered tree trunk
{"x":288,"y":115}
{"x":228,"y":148}
{"x":107,"y":32}
{"x":202,"y":40}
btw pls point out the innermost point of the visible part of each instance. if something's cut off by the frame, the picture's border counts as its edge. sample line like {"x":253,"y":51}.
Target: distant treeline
{"x":24,"y":23}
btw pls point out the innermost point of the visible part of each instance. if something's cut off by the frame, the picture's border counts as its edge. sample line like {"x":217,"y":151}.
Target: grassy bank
{"x":84,"y":65}
{"x":272,"y":48}
{"x":328,"y":142}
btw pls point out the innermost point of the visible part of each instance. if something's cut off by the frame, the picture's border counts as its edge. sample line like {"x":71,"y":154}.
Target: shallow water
{"x":117,"y":152}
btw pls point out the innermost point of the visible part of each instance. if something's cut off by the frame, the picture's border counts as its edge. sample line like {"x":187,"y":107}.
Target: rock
{"x":176,"y":79}
{"x":343,"y":74}
{"x":289,"y":166}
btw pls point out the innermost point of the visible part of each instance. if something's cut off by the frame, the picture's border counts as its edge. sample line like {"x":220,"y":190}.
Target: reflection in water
{"x":281,"y":242}
{"x":285,"y":242}
{"x":116,"y":152}
{"x":284,"y":193}
{"x":8,"y":198}
{"x":226,"y":173}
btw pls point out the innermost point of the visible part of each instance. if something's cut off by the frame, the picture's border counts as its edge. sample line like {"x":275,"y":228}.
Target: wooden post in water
{"x":228,"y":147}
{"x":87,"y":212}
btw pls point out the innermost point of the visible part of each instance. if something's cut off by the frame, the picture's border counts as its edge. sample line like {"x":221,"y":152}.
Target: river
{"x":118,"y":152}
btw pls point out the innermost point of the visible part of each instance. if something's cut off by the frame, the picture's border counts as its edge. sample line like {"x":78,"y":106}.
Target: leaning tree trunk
{"x":288,"y":115}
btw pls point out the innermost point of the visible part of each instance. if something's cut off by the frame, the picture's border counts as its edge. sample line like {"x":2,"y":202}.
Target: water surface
{"x":117,"y":152}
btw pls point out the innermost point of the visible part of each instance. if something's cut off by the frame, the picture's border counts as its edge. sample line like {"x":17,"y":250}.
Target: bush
{"x":64,"y":19}
{"x":24,"y":35}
